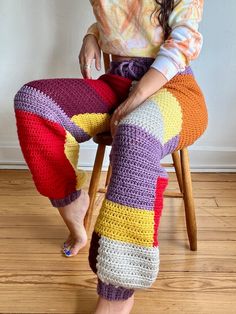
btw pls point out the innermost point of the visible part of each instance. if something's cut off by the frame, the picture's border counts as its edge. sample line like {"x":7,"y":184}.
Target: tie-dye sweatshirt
{"x":131,"y":28}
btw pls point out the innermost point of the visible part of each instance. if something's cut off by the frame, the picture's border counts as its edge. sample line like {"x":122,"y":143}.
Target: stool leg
{"x":108,"y":175}
{"x":178,"y":170}
{"x":188,"y":200}
{"x":94,"y":181}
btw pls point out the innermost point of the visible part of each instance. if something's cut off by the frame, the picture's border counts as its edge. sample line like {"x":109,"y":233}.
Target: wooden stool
{"x":182,"y":170}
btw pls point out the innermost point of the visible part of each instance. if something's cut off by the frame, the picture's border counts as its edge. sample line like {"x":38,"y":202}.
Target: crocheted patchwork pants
{"x":54,"y":115}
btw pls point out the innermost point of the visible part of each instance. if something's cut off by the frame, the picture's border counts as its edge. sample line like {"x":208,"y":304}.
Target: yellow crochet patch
{"x":127,"y":224}
{"x":171,"y":112}
{"x":92,"y":123}
{"x":71,"y":149}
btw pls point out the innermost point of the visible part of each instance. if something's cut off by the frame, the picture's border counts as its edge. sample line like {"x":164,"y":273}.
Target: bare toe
{"x":68,"y":242}
{"x":75,"y":248}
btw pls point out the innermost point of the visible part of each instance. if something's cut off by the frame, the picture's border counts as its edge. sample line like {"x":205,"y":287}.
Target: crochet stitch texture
{"x":54,"y":115}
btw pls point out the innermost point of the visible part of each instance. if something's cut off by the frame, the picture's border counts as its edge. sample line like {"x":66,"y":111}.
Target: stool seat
{"x":103,"y":138}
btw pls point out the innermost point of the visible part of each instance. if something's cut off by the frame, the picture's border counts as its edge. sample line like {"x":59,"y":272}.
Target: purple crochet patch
{"x":112,"y":293}
{"x":133,"y":69}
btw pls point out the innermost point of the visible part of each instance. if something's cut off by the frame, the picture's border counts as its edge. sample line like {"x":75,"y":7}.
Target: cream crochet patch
{"x":127,"y":265}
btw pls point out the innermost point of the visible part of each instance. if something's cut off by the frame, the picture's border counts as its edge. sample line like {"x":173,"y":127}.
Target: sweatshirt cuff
{"x":166,"y":66}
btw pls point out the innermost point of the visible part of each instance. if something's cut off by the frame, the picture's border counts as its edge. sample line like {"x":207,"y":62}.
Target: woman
{"x":152,"y":104}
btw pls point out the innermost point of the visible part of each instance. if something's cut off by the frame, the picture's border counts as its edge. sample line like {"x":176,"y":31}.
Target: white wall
{"x":41,"y":39}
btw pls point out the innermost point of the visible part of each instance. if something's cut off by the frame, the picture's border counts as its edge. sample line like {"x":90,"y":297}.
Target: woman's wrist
{"x":89,"y":35}
{"x":137,"y":95}
{"x":150,"y":83}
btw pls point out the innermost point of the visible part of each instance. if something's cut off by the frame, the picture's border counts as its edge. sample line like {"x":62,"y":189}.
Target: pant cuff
{"x":61,"y":202}
{"x":112,"y":293}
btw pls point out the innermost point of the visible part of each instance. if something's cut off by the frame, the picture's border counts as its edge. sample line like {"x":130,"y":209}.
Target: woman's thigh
{"x":81,"y":106}
{"x":53,"y":116}
{"x":176,"y":115}
{"x":183,"y":109}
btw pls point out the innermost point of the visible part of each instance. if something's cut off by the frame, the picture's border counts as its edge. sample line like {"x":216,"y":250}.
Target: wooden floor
{"x":36,"y":278}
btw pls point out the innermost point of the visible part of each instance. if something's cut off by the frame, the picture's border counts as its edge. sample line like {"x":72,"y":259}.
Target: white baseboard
{"x":202,"y":158}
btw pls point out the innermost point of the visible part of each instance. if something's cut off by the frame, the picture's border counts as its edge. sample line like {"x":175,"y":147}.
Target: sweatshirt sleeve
{"x":93,"y":30}
{"x":185,"y":41}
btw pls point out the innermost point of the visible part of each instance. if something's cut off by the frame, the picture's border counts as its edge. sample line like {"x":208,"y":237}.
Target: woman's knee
{"x":33,"y":98}
{"x":28,"y":98}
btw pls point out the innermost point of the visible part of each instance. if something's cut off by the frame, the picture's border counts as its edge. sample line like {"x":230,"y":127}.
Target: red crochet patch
{"x":42,"y":143}
{"x":161,"y":185}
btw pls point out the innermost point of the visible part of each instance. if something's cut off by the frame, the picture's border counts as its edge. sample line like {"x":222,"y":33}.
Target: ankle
{"x":105,"y":306}
{"x":80,"y":201}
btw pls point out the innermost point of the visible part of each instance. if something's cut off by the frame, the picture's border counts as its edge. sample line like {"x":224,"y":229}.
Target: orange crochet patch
{"x":194,"y":110}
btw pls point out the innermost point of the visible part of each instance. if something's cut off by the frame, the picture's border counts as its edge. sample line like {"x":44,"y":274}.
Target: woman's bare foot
{"x":73,"y":215}
{"x":114,"y":307}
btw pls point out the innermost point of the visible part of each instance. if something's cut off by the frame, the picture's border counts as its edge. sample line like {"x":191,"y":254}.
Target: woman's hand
{"x":90,"y":50}
{"x":150,"y":83}
{"x":134,"y":99}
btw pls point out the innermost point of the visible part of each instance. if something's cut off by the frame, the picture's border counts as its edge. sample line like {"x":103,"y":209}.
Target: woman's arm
{"x":185,"y":41}
{"x":182,"y":46}
{"x":150,"y":82}
{"x":90,"y":50}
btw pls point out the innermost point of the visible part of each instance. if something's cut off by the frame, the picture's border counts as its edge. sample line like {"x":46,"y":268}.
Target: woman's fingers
{"x":87,"y":69}
{"x":117,"y":115}
{"x":86,"y":65}
{"x":123,"y":110}
{"x":112,"y":128}
{"x":112,"y":123}
{"x":98,"y":60}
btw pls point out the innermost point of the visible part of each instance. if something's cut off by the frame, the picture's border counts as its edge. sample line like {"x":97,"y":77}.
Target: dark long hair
{"x":164,"y":11}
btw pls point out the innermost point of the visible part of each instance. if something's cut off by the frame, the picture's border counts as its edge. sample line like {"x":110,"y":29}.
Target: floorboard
{"x":36,"y":278}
